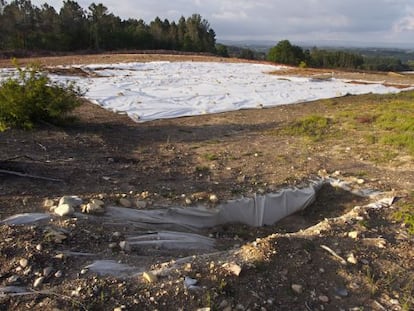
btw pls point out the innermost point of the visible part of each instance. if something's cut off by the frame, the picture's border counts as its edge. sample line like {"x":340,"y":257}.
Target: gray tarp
{"x":256,"y":211}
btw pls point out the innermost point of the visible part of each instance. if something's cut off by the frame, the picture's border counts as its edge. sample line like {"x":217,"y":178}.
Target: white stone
{"x":233,"y":268}
{"x":323,"y":298}
{"x":213,"y":198}
{"x":298,"y":289}
{"x":94,"y":208}
{"x":73,"y":201}
{"x":48,"y":203}
{"x":23,"y":262}
{"x":353,"y":234}
{"x":58,"y":274}
{"x":150,"y":277}
{"x":38,"y":282}
{"x":125,"y":246}
{"x":352,"y":259}
{"x":64,"y":210}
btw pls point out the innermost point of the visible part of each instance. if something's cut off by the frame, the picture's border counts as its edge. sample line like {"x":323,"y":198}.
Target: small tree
{"x":286,"y":53}
{"x":32,"y":97}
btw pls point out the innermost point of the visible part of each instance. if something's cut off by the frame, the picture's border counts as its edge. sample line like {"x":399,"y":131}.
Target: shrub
{"x":32,"y":98}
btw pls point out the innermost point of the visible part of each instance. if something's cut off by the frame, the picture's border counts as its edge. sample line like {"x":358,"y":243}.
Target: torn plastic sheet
{"x":172,"y":240}
{"x":14,"y":291}
{"x":256,"y":211}
{"x":111,"y":267}
{"x":26,"y":218}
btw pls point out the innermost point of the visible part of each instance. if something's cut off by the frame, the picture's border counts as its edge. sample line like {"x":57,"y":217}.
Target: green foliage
{"x":335,"y":59}
{"x":32,"y":98}
{"x":25,"y":26}
{"x":221,"y":50}
{"x":314,"y":127}
{"x":286,"y":53}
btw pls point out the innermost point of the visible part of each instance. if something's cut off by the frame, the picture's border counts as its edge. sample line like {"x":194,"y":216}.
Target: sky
{"x":361,"y":22}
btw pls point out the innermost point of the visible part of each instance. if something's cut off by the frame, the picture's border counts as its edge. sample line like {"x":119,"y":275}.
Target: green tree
{"x":73,"y":27}
{"x":286,"y":53}
{"x":221,"y":50}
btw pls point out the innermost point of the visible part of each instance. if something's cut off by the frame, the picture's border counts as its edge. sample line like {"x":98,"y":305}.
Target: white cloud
{"x":406,"y":23}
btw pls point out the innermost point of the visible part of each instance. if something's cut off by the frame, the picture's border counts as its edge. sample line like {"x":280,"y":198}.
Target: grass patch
{"x":405,"y":213}
{"x":211,"y":156}
{"x":314,"y":127}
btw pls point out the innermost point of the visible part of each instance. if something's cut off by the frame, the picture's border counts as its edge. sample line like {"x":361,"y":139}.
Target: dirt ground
{"x":186,"y":161}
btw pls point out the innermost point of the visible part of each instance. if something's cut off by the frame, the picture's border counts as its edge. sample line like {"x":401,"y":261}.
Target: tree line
{"x":286,"y":53}
{"x":28,"y":27}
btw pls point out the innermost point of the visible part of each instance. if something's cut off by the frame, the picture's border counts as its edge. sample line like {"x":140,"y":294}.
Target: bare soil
{"x":163,"y":163}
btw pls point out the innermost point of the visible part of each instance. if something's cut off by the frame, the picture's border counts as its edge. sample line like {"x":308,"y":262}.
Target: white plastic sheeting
{"x":256,"y":211}
{"x":26,"y":218}
{"x":111,"y":267}
{"x":171,"y":240}
{"x":158,"y":90}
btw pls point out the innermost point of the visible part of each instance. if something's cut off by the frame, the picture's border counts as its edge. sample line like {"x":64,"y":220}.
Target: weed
{"x":211,"y":156}
{"x":372,"y":281}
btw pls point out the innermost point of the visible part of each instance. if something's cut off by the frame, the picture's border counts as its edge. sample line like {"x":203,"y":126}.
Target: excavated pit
{"x":141,"y":239}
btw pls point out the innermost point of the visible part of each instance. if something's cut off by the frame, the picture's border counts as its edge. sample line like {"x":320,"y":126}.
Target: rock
{"x":323,"y":298}
{"x":98,"y":202}
{"x":47,"y":271}
{"x":120,"y":308}
{"x":27,"y":271}
{"x":360,"y":181}
{"x":84,"y":271}
{"x":116,"y":235}
{"x":13,"y":279}
{"x":55,"y":235}
{"x":39,"y":247}
{"x":224,"y":304}
{"x":298,"y":289}
{"x":213,"y":198}
{"x":125,"y":246}
{"x":141,"y":204}
{"x":64,"y":210}
{"x":189,"y":282}
{"x":23,"y":262}
{"x":150,"y":277}
{"x":342,"y":292}
{"x":125,"y":202}
{"x":48,"y":203}
{"x":112,"y":245}
{"x":94,"y":208}
{"x":352,"y":259}
{"x":38,"y":282}
{"x":73,"y":201}
{"x":58,"y":274}
{"x":233,"y":268}
{"x":353,"y":234}
{"x":188,"y":201}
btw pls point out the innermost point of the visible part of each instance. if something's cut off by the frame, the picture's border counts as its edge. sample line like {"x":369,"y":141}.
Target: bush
{"x":32,"y":98}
